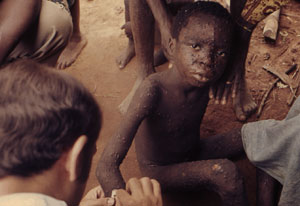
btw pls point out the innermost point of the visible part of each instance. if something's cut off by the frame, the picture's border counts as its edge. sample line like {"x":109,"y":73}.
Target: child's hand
{"x":95,"y":197}
{"x":143,"y":192}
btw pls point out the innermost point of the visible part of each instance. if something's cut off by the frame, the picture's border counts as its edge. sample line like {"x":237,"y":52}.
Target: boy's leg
{"x":220,"y":176}
{"x":142,"y":26}
{"x":129,"y":52}
{"x":265,"y":183}
{"x":77,"y":41}
{"x":228,"y":145}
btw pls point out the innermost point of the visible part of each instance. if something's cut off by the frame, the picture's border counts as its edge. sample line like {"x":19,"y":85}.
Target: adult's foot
{"x":126,"y":55}
{"x":72,"y":51}
{"x":244,"y":105}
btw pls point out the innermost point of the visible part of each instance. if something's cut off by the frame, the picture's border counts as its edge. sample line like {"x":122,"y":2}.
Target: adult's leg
{"x":45,"y":40}
{"x":266,"y":189}
{"x":142,"y":25}
{"x":16,"y":18}
{"x":77,"y":41}
{"x":129,"y":52}
{"x":220,"y":176}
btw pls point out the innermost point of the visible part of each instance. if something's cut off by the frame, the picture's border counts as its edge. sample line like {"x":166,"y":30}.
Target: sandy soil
{"x":96,"y":68}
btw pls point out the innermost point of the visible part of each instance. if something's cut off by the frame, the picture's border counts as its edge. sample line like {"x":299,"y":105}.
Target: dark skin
{"x":129,"y":52}
{"x":165,"y":116}
{"x":162,"y":11}
{"x":12,"y":29}
{"x":77,"y":41}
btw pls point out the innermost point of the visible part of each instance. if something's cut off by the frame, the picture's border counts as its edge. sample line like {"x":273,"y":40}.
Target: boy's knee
{"x":228,"y":178}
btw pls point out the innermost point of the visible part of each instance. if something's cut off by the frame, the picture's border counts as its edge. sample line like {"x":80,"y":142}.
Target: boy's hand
{"x":95,"y":197}
{"x":143,"y":192}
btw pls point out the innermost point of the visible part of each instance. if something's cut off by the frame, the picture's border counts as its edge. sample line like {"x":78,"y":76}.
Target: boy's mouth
{"x":200,"y":77}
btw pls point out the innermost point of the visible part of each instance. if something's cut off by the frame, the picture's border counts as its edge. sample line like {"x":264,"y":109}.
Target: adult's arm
{"x":16,"y":16}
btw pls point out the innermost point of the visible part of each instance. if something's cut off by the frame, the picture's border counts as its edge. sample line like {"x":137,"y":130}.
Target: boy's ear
{"x":74,"y":159}
{"x":171,"y":47}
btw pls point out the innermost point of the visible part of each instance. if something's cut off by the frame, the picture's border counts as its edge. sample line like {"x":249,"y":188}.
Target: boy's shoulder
{"x":148,"y":93}
{"x":153,"y":82}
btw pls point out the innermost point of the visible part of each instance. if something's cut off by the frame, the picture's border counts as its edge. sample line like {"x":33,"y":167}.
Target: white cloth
{"x":274,"y":147}
{"x":29,"y":199}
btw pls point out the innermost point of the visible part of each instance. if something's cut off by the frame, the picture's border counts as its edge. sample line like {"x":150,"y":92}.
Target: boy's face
{"x":202,"y":49}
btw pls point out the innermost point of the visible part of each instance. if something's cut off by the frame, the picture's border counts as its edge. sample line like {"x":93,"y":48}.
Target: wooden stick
{"x":263,"y":101}
{"x":282,"y":76}
{"x":293,"y":95}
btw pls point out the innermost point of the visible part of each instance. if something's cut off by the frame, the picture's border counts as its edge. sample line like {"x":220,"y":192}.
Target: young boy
{"x":246,"y":13}
{"x":167,"y":109}
{"x":49,"y":124}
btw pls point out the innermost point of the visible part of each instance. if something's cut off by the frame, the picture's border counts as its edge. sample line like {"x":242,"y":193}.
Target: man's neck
{"x":47,"y":182}
{"x":15,"y":184}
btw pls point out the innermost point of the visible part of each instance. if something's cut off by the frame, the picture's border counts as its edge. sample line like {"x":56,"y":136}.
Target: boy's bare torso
{"x":170,"y":133}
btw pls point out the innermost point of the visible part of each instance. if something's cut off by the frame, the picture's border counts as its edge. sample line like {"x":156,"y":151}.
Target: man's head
{"x":47,"y":118}
{"x":202,"y":40}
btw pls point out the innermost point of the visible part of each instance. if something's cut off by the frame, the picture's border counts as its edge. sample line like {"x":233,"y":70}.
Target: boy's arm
{"x":15,"y":18}
{"x":142,"y":104}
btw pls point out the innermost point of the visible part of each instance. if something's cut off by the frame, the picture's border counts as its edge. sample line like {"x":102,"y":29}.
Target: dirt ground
{"x":96,"y":68}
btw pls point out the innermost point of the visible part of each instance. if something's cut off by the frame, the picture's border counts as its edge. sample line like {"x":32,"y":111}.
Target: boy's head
{"x":202,"y":40}
{"x":43,"y":114}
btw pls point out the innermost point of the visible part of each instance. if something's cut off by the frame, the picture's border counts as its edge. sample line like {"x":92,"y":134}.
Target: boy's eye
{"x":221,"y":53}
{"x":196,"y":47}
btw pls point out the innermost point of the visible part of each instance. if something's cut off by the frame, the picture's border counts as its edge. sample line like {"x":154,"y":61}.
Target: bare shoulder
{"x":146,"y":97}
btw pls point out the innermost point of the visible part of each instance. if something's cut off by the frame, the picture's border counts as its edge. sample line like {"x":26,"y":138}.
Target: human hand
{"x":139,"y":192}
{"x":224,"y":86}
{"x":95,"y":197}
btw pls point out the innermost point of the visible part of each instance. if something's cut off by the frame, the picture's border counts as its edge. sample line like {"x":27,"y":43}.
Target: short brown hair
{"x":42,"y":113}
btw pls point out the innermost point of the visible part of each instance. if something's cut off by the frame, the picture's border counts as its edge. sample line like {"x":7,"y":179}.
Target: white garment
{"x":29,"y":199}
{"x":274,"y":147}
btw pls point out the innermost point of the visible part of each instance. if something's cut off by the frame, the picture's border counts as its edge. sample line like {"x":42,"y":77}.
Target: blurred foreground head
{"x":48,"y":122}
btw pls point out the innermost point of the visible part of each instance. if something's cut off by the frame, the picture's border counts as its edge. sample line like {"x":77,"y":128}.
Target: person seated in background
{"x":42,"y":30}
{"x":49,"y":124}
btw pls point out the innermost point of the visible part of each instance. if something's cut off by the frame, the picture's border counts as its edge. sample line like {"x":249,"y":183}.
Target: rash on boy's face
{"x":202,"y":49}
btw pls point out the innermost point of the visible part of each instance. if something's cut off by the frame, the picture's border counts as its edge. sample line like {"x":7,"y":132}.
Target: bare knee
{"x":228,"y":180}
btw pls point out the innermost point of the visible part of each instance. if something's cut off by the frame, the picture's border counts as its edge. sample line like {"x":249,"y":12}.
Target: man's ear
{"x":74,"y":159}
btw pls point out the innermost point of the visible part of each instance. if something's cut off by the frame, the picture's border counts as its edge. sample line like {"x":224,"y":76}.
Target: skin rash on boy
{"x":165,"y":116}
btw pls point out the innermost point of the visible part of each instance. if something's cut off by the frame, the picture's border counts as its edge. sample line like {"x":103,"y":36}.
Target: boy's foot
{"x":126,"y":55}
{"x":244,"y":105}
{"x":71,"y":52}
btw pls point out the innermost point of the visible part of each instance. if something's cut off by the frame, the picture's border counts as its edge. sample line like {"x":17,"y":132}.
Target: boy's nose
{"x":205,"y":56}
